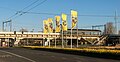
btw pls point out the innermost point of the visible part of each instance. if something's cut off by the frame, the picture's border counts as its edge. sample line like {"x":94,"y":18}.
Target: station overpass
{"x":16,"y":37}
{"x":40,"y":35}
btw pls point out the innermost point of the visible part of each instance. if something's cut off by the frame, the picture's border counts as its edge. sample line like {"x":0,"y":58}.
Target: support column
{"x":0,"y":43}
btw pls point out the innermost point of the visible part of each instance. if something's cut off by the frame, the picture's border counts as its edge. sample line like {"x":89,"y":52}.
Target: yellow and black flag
{"x":74,"y":17}
{"x":50,"y":25}
{"x":64,"y":22}
{"x":45,"y":22}
{"x":57,"y":19}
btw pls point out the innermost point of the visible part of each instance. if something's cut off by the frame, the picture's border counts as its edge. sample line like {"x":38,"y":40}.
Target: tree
{"x":109,"y":29}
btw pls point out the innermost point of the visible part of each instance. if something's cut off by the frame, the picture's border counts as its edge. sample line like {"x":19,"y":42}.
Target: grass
{"x":102,"y":53}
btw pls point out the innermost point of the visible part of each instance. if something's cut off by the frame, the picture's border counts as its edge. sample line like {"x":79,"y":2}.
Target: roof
{"x":114,"y":35}
{"x":86,"y":30}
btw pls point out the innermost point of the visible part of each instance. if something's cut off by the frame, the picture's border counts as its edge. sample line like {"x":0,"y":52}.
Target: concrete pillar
{"x":119,"y":40}
{"x":85,"y":43}
{"x":17,"y":41}
{"x":6,"y":42}
{"x":0,"y":43}
{"x":81,"y":43}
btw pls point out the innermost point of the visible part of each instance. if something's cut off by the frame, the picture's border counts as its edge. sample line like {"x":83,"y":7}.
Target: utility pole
{"x":3,"y":26}
{"x":9,"y":21}
{"x":10,"y":25}
{"x":115,"y":22}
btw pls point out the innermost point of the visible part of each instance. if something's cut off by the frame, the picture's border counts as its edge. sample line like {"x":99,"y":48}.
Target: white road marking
{"x":18,"y":56}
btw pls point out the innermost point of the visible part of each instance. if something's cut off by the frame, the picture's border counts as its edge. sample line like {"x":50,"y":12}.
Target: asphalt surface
{"x":28,"y":55}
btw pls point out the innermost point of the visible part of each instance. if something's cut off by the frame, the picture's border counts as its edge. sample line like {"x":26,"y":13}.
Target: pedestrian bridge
{"x":42,"y":35}
{"x":16,"y":37}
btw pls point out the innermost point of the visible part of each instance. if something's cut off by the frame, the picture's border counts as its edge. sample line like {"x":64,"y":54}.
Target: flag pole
{"x":71,"y":37}
{"x":77,"y":31}
{"x":71,"y":32}
{"x":49,"y":33}
{"x":49,"y":36}
{"x":66,"y":38}
{"x":62,"y":36}
{"x":55,"y":33}
{"x":55,"y":39}
{"x":43,"y":33}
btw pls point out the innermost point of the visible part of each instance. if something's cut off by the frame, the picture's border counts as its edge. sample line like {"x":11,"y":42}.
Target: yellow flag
{"x":74,"y":17}
{"x":57,"y":19}
{"x":50,"y":25}
{"x":45,"y":22}
{"x":64,"y":22}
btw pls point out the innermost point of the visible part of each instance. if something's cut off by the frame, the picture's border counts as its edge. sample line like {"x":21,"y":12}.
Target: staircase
{"x":101,"y":40}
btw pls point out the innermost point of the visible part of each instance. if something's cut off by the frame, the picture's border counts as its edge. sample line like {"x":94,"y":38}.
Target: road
{"x":28,"y":55}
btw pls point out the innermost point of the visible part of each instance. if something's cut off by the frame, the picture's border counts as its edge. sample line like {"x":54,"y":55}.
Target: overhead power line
{"x":37,"y":5}
{"x":10,"y":10}
{"x":21,"y":12}
{"x":99,"y":15}
{"x":18,"y":12}
{"x":30,"y":5}
{"x":70,"y":14}
{"x":42,"y":13}
{"x":33,"y":7}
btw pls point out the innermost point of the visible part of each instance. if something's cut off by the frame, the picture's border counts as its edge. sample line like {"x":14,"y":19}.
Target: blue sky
{"x":35,"y":21}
